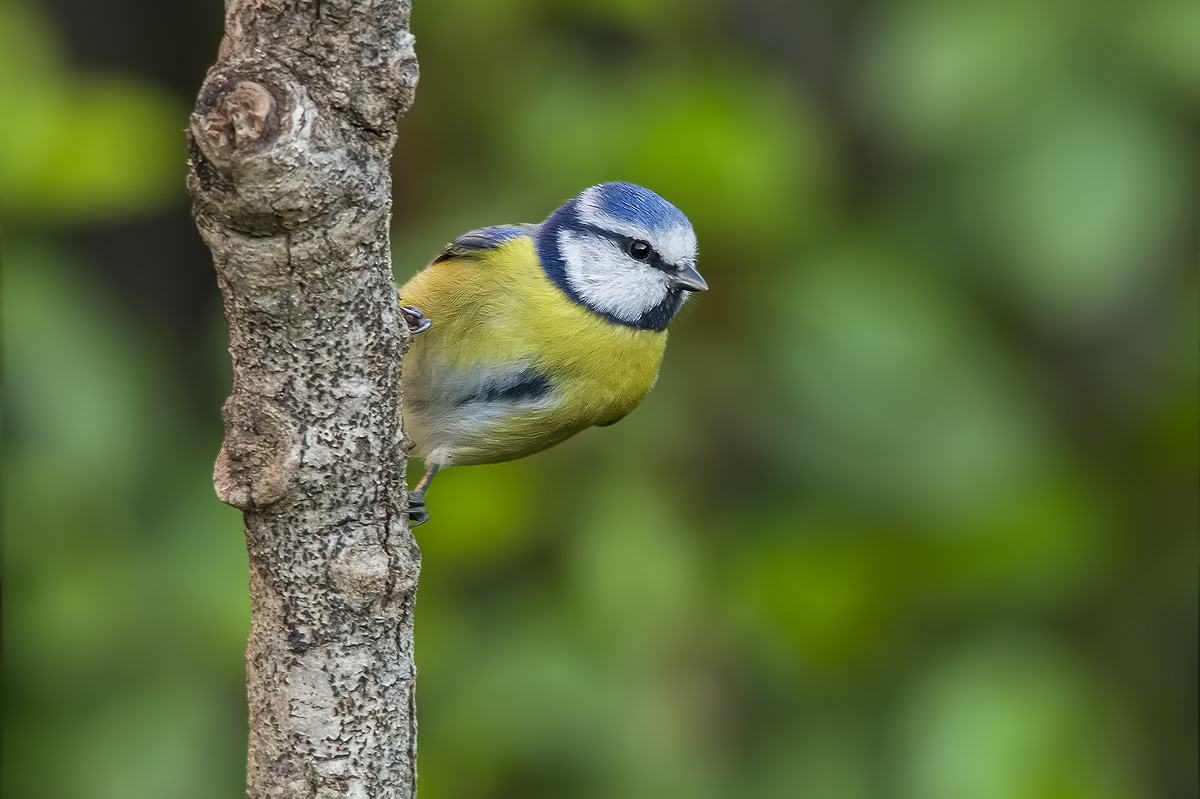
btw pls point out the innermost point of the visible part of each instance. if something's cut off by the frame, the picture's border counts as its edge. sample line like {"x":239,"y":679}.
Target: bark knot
{"x":260,"y":458}
{"x":360,"y":572}
{"x":243,"y":115}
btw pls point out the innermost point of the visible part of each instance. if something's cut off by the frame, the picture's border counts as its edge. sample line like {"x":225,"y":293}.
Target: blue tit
{"x":541,"y":331}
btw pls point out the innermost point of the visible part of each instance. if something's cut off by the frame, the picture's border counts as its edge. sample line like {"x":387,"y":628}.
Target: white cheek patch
{"x":600,"y":272}
{"x":676,"y":245}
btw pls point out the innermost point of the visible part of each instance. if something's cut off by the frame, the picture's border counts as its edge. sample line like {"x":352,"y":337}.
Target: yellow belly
{"x":497,"y":310}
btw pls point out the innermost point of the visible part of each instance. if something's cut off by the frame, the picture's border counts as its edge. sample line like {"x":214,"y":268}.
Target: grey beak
{"x":688,"y":278}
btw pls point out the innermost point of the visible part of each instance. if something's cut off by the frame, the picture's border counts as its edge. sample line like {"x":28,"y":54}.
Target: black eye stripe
{"x":654,"y":259}
{"x":624,"y":243}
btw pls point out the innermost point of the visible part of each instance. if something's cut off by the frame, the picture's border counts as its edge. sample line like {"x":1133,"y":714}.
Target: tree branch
{"x":289,"y":146}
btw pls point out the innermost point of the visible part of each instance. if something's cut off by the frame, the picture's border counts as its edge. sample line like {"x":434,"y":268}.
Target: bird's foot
{"x":415,"y":318}
{"x":417,"y":514}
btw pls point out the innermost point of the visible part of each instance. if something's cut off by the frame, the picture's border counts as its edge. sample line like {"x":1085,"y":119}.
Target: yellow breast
{"x":494,"y":313}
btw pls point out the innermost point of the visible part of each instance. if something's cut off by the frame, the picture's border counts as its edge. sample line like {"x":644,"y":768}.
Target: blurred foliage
{"x":911,"y":513}
{"x":79,"y":146}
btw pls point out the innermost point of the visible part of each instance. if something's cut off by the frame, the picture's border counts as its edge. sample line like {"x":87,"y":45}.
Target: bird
{"x":531,"y":333}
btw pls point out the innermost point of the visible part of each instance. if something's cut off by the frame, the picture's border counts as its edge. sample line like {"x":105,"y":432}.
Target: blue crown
{"x":628,"y":202}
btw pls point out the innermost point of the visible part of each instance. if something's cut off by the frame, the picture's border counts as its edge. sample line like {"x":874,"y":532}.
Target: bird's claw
{"x":417,"y":514}
{"x":415,"y":318}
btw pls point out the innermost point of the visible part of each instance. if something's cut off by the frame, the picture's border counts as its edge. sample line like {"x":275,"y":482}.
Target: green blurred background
{"x":911,"y":514}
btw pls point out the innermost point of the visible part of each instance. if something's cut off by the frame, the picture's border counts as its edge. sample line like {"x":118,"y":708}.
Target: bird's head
{"x":623,"y":252}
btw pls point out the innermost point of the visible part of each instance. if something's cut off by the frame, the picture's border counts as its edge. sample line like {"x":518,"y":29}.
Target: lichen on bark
{"x":289,"y":148}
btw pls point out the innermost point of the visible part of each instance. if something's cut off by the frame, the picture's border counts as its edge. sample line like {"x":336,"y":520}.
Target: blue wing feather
{"x":485,"y":238}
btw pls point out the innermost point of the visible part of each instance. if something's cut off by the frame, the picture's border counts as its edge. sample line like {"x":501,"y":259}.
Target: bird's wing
{"x":486,"y":238}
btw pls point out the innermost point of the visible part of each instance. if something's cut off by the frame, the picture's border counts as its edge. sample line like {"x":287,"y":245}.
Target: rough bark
{"x":289,"y":145}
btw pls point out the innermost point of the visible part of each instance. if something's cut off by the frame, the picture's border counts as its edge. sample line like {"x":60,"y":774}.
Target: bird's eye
{"x":641,"y":250}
